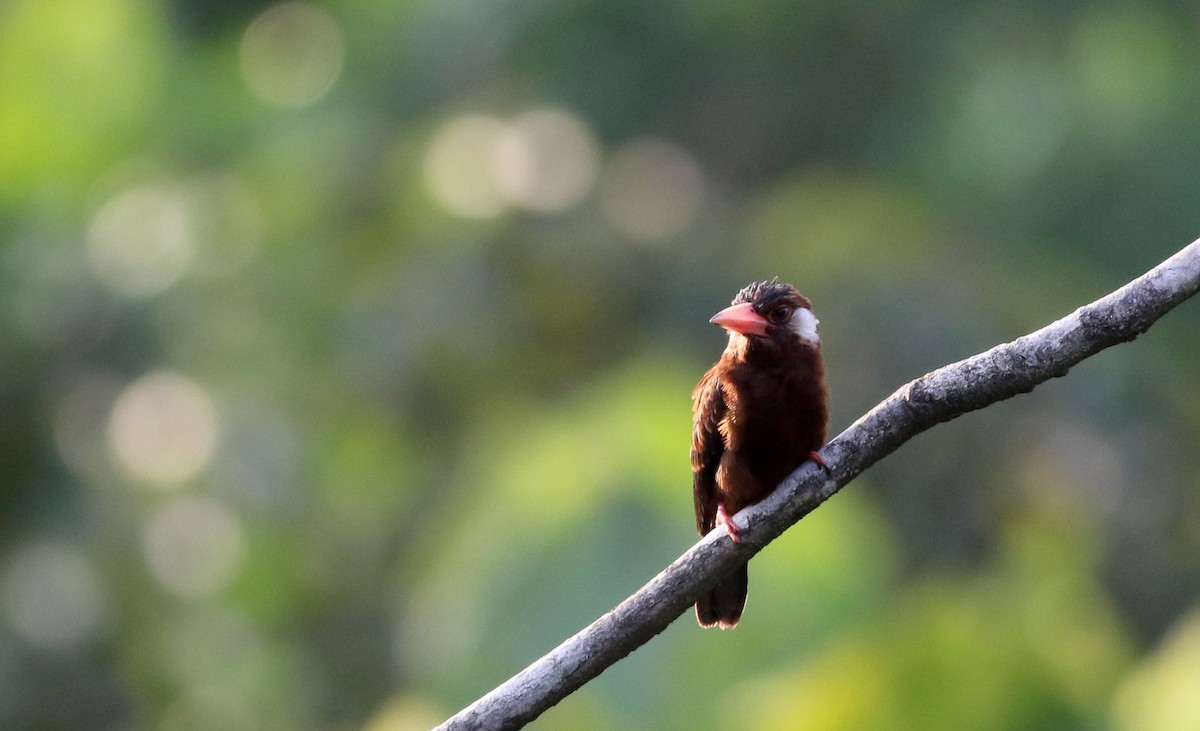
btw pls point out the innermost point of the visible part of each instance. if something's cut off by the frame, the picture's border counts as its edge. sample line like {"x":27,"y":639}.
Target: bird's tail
{"x":723,"y":604}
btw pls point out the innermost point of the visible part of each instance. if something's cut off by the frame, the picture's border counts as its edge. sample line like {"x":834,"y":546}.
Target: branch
{"x":951,"y":391}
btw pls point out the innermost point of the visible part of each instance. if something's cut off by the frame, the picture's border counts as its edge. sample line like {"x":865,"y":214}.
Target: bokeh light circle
{"x":194,"y":546}
{"x":52,"y":595}
{"x":163,"y":429}
{"x":459,"y":166}
{"x":652,"y":190}
{"x":292,"y":54}
{"x":140,"y":242}
{"x":547,"y":161}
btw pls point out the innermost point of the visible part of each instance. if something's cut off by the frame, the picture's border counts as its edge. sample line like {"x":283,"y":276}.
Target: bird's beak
{"x":741,"y":319}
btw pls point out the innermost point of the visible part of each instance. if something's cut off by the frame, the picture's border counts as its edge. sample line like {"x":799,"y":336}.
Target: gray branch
{"x":951,"y":391}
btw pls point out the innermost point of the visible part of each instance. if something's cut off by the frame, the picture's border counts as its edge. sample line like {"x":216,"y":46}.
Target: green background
{"x":346,"y":352}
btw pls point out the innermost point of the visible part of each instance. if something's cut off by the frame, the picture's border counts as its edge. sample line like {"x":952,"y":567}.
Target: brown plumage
{"x":757,"y":415}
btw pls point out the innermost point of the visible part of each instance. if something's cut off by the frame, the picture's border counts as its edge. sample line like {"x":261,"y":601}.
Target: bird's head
{"x":766,"y":314}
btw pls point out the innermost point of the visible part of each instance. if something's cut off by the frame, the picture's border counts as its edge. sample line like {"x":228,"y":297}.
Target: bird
{"x":759,"y":413}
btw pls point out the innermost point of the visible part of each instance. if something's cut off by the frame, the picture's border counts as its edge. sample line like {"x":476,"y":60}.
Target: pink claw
{"x":725,"y":519}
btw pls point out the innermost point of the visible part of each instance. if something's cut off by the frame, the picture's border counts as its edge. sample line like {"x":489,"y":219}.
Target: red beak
{"x":741,"y":319}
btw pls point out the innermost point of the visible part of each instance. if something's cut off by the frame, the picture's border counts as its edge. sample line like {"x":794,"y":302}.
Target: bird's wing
{"x":708,"y":409}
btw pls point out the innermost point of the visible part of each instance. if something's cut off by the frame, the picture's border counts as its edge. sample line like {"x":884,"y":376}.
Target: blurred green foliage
{"x":345,"y":354}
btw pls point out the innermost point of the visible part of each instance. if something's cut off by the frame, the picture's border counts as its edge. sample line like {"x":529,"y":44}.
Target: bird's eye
{"x":779,"y":314}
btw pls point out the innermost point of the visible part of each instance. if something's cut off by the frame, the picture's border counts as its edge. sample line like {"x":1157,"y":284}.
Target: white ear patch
{"x":804,"y":323}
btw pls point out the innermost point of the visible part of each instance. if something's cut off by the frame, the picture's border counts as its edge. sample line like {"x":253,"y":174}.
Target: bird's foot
{"x":725,"y":519}
{"x":815,"y":457}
